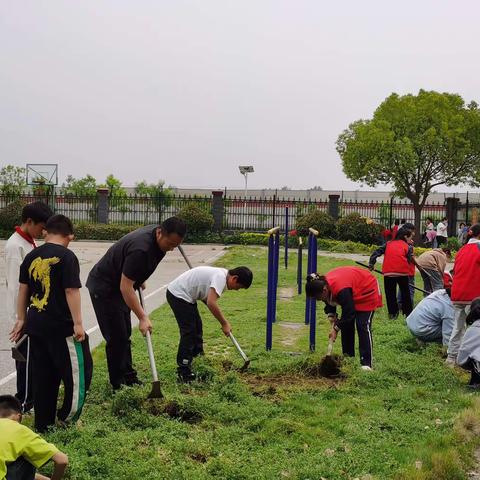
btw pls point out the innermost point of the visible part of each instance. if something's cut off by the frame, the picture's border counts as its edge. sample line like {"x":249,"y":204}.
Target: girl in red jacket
{"x":358,"y":293}
{"x":398,"y":265}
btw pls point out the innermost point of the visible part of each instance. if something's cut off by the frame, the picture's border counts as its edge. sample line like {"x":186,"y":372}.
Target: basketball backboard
{"x":42,"y":174}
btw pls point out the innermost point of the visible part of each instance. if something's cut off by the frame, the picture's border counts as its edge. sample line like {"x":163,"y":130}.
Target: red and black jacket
{"x":397,"y":258}
{"x":466,"y":279}
{"x":355,"y":290}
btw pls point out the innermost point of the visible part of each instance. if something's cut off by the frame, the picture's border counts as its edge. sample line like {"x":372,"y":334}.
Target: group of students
{"x":451,"y":303}
{"x":43,"y":301}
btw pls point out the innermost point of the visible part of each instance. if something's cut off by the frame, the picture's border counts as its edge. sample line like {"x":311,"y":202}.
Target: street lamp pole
{"x":245,"y":170}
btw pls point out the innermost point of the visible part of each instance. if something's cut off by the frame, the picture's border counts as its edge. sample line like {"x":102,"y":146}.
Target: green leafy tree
{"x":159,"y":196}
{"x":81,"y":187}
{"x":114,"y":186}
{"x":12,"y":180}
{"x":415,"y":143}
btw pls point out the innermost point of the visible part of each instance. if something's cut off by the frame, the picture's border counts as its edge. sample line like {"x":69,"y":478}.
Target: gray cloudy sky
{"x":188,"y":90}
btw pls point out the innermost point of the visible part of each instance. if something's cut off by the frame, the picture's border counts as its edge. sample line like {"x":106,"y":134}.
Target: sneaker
{"x":450,"y":361}
{"x":366,"y":368}
{"x":185,"y":375}
{"x":473,"y":386}
{"x":393,"y":316}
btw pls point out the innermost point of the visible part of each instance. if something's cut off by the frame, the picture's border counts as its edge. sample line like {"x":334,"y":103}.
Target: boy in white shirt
{"x":206,"y":284}
{"x":20,"y":243}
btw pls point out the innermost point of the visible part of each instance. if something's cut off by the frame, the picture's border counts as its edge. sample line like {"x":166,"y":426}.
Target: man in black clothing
{"x":113,"y":282}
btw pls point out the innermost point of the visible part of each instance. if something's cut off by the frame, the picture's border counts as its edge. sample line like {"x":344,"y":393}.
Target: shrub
{"x":453,"y":244}
{"x":11,"y":215}
{"x":102,"y":231}
{"x":196,"y":218}
{"x":356,"y":228}
{"x":318,"y":220}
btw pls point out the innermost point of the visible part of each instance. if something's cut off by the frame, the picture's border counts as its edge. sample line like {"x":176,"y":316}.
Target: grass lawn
{"x":411,"y":418}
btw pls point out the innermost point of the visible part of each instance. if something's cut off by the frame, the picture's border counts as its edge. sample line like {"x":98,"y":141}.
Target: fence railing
{"x":253,"y":214}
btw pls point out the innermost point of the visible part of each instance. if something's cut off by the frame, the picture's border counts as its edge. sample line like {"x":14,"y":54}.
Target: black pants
{"x":116,"y":327}
{"x":58,"y":359}
{"x":363,"y":322}
{"x":441,"y":240}
{"x":191,"y":330}
{"x":390,"y":284}
{"x":20,"y":469}
{"x":24,"y":378}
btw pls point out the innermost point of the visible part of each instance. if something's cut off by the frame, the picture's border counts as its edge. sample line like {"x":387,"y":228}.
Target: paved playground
{"x":88,"y":254}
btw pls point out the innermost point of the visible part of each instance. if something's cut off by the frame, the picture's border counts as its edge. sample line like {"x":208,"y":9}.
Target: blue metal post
{"x":275,"y":275}
{"x":309,"y":261}
{"x":286,"y":237}
{"x":299,"y":265}
{"x":313,"y":303}
{"x":270,"y":284}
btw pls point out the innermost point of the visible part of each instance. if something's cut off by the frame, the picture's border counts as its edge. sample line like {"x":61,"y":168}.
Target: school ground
{"x":88,"y":254}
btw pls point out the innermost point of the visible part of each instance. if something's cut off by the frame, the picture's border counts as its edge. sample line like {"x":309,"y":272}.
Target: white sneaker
{"x":450,"y":362}
{"x":366,"y":368}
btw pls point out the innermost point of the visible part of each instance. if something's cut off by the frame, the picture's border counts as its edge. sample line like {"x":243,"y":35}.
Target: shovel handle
{"x":184,"y":255}
{"x":148,"y":339}
{"x":238,"y":347}
{"x":329,"y":348}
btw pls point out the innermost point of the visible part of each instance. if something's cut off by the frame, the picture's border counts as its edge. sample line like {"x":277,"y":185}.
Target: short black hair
{"x":474,"y":313}
{"x":39,"y":212}
{"x":402,"y":221}
{"x":174,"y":225}
{"x":474,"y":230}
{"x":59,"y":225}
{"x":9,"y":405}
{"x":397,"y":221}
{"x":403,"y":233}
{"x":244,"y":274}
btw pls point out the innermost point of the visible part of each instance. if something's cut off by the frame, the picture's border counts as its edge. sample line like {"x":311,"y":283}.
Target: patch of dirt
{"x":198,"y":457}
{"x":173,"y":409}
{"x":286,"y":293}
{"x":475,"y":475}
{"x":291,"y":332}
{"x":273,"y":387}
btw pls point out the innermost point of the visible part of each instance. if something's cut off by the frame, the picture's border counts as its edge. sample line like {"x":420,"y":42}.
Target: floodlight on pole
{"x":245,"y":170}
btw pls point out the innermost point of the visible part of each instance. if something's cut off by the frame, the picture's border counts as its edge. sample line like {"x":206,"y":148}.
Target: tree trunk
{"x":417,"y":208}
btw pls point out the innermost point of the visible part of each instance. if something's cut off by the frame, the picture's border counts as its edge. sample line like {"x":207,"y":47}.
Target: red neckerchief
{"x":26,"y":236}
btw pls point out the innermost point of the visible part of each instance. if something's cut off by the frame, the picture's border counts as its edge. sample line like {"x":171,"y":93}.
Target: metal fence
{"x":251,"y":214}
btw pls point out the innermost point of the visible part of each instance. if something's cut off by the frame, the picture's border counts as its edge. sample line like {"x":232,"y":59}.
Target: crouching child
{"x":469,"y":352}
{"x":23,"y":451}
{"x":206,"y":284}
{"x":50,"y":293}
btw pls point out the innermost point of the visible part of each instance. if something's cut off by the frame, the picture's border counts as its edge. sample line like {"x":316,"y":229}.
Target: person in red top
{"x":465,"y":288}
{"x":358,"y":293}
{"x":398,"y":265}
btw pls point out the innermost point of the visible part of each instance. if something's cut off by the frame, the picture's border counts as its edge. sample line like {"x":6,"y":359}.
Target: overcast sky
{"x":186,"y":91}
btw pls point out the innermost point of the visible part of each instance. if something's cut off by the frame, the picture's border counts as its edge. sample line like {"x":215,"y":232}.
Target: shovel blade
{"x":156,"y":391}
{"x":245,"y":366}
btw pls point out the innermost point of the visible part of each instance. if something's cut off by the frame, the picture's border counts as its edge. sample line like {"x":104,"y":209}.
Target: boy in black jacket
{"x":50,"y":291}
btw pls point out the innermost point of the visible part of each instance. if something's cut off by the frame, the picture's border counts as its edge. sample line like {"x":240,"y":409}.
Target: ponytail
{"x":315,"y":284}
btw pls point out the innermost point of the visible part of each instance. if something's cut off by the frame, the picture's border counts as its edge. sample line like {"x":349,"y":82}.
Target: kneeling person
{"x":432,"y":319}
{"x":23,"y":451}
{"x":469,"y":352}
{"x":206,"y":284}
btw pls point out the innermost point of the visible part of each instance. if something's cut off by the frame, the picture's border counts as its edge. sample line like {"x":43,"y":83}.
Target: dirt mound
{"x":173,"y":409}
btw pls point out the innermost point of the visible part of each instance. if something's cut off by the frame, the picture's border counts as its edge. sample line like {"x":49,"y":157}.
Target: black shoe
{"x":393,"y":316}
{"x":133,"y":381}
{"x":27,"y":407}
{"x":185,"y":375}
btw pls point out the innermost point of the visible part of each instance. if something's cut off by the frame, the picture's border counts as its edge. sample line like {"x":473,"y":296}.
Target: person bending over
{"x":206,"y":284}
{"x":357,"y":292}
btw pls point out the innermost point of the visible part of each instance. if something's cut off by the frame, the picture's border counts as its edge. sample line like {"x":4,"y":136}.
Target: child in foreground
{"x":23,"y":451}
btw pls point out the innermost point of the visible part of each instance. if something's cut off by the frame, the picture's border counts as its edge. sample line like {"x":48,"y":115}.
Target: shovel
{"x":381,"y":273}
{"x":329,"y":366}
{"x":156,"y":391}
{"x":241,"y":352}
